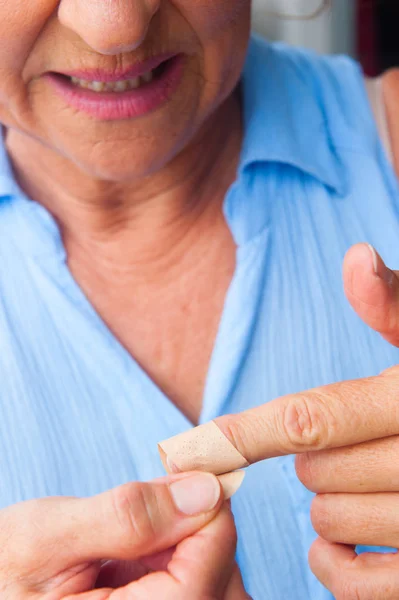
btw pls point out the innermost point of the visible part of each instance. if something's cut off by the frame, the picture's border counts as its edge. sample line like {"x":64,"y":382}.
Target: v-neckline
{"x":234,"y":329}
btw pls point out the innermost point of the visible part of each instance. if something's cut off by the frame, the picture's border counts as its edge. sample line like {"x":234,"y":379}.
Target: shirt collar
{"x":283,"y":119}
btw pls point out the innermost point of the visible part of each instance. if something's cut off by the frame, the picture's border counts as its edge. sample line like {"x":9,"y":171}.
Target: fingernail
{"x":380,"y":269}
{"x":375,"y":258}
{"x":197,"y":494}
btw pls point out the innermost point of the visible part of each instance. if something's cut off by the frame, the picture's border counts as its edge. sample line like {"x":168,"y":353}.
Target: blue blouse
{"x":79,"y":415}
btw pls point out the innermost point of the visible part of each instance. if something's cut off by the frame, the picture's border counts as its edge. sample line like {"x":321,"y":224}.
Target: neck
{"x":151,"y":218}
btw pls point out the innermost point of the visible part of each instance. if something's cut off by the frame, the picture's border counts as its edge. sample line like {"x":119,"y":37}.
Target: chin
{"x":120,"y":152}
{"x":132,"y":164}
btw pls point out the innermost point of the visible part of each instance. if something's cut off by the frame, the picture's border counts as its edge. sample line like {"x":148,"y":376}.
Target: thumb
{"x":125,"y":523}
{"x":200,"y":567}
{"x":373,"y":290}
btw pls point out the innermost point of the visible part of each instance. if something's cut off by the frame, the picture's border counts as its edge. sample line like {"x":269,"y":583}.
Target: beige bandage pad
{"x":204,"y":448}
{"x":231,"y":483}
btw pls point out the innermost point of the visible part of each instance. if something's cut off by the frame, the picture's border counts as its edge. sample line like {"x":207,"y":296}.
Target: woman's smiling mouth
{"x":114,"y":86}
{"x":113,"y":96}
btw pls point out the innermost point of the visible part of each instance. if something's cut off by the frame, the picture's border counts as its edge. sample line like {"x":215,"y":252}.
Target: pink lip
{"x":109,"y":106}
{"x":135,"y":71}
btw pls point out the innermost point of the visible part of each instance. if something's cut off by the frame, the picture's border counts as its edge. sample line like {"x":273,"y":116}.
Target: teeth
{"x":96,"y":86}
{"x":114,"y":86}
{"x":80,"y":82}
{"x":134,"y":83}
{"x":148,"y":77}
{"x":118,"y":86}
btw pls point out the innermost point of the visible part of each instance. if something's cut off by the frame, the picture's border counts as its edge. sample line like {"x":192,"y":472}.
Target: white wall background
{"x":331,"y":32}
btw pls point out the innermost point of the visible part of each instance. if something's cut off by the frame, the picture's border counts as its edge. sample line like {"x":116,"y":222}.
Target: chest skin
{"x":168,"y":323}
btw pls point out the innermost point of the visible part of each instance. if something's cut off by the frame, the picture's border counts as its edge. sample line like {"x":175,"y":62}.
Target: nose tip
{"x":109,"y":26}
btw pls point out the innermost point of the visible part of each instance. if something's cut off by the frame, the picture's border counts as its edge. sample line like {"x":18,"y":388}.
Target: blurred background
{"x":365,"y":29}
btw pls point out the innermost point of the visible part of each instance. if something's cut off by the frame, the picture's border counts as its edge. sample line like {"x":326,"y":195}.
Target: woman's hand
{"x":347,"y":440}
{"x":93,"y":549}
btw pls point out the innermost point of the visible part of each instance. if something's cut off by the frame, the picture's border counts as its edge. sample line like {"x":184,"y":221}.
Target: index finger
{"x":333,"y":416}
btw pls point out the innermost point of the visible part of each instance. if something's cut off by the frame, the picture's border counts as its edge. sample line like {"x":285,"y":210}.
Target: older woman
{"x":176,"y":202}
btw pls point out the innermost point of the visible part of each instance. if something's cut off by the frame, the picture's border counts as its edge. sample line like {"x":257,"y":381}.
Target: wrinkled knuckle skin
{"x":305,"y":424}
{"x":134,"y":510}
{"x":349,"y":590}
